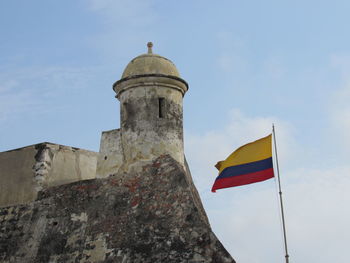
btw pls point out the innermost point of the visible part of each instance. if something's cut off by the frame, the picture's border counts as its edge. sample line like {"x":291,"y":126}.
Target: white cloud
{"x":318,"y":214}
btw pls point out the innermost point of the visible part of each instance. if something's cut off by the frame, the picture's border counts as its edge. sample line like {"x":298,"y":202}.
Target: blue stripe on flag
{"x":246,"y":168}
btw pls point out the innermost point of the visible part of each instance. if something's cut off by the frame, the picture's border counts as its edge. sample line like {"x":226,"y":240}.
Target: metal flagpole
{"x":280,"y":195}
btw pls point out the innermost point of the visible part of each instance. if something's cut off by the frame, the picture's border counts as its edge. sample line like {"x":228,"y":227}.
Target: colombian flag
{"x":249,"y":164}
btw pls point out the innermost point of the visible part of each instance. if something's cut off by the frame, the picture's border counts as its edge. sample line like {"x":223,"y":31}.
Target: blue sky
{"x":248,"y":64}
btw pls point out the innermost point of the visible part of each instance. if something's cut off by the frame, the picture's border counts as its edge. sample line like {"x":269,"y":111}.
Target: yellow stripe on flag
{"x":255,"y":151}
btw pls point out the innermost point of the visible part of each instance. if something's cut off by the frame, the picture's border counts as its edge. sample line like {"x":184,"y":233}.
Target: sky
{"x":248,"y":64}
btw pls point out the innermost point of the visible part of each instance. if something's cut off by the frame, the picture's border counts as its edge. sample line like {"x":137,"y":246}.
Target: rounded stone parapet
{"x":150,"y":80}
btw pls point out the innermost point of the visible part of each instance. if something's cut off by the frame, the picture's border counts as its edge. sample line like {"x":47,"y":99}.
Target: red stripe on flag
{"x":243,"y":179}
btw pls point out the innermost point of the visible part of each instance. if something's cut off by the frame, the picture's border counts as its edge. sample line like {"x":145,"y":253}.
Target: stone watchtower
{"x":150,"y":92}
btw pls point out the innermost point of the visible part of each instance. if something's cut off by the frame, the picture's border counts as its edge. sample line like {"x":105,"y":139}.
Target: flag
{"x":250,"y":163}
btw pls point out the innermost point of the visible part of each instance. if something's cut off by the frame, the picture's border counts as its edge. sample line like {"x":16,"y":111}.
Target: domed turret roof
{"x":150,"y":64}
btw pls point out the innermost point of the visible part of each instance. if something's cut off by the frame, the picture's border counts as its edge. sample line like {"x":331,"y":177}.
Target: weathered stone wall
{"x":17,"y":184}
{"x":145,"y":217}
{"x":110,"y":157}
{"x":151,"y":117}
{"x":27,"y":170}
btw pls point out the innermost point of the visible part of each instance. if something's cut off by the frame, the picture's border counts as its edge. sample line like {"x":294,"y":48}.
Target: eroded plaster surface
{"x":151,"y":118}
{"x":27,"y":170}
{"x":110,"y":157}
{"x":147,"y":217}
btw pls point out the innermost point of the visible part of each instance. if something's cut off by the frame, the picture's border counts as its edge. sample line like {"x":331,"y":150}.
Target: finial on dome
{"x":150,"y":45}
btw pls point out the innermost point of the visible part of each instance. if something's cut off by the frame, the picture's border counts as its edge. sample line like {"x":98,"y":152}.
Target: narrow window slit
{"x":161,"y":107}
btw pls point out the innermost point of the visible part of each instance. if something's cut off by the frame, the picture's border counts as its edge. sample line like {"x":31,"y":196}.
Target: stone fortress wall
{"x":27,"y":170}
{"x":110,"y":157}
